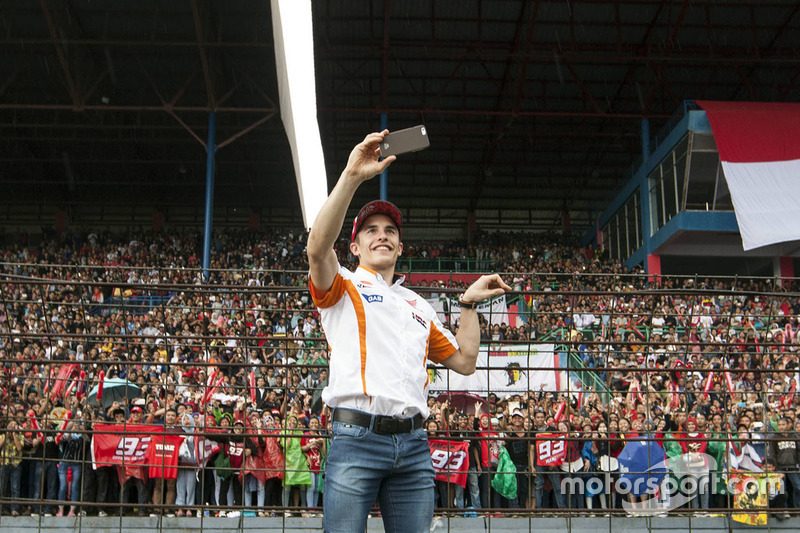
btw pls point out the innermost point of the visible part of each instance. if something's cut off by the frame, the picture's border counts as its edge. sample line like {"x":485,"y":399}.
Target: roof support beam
{"x":506,"y":91}
{"x":385,"y":57}
{"x":198,"y":29}
{"x":494,"y":113}
{"x":62,"y":57}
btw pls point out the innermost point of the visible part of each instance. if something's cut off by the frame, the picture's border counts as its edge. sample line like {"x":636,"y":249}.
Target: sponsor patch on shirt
{"x":372,"y":298}
{"x":419,"y":319}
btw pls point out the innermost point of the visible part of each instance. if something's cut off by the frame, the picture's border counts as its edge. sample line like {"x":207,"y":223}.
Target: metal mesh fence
{"x":601,"y":396}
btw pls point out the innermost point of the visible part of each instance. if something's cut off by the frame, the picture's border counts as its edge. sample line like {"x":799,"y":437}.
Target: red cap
{"x":377,"y":207}
{"x":136,"y":410}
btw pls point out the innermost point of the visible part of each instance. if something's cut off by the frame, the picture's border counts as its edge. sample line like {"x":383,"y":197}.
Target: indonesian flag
{"x":759,"y":147}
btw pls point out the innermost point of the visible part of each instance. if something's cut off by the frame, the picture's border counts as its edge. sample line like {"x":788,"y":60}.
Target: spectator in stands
{"x":11,"y":442}
{"x":541,"y":426}
{"x":465,"y":432}
{"x":273,"y":461}
{"x":45,"y":473}
{"x":135,"y":477}
{"x":297,"y":477}
{"x":254,"y":475}
{"x":486,"y":456}
{"x":71,"y":442}
{"x":694,"y":445}
{"x":784,"y":451}
{"x":98,"y":480}
{"x":160,"y":496}
{"x":315,"y":447}
{"x":186,"y":482}
{"x":741,"y":335}
{"x":519,"y":446}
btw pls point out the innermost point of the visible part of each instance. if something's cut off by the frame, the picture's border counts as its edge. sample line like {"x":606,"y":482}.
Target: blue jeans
{"x":312,"y":496}
{"x":11,"y":476}
{"x":46,"y":473}
{"x":555,"y":480}
{"x":473,"y":486}
{"x":394,"y":469}
{"x":253,"y":484}
{"x":76,"y":481}
{"x":794,"y":478}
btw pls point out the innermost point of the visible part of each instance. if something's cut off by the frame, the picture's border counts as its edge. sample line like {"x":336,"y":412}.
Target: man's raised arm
{"x":362,"y":165}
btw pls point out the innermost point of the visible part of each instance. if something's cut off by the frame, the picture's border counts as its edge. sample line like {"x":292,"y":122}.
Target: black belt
{"x":385,"y":425}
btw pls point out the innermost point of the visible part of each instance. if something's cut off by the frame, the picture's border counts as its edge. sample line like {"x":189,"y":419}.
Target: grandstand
{"x":152,"y":258}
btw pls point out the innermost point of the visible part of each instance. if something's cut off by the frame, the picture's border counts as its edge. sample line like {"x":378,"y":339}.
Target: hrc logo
{"x":419,"y":319}
{"x":372,"y":298}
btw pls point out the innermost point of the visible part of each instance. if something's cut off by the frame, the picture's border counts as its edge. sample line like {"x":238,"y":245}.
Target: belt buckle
{"x":387,"y":425}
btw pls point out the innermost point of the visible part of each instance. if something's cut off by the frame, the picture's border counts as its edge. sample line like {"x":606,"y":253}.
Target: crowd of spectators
{"x":679,"y":360}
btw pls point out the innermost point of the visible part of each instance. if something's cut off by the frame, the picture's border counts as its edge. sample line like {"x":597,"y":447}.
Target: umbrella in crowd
{"x":114,"y":390}
{"x":463,"y":401}
{"x":642,"y":463}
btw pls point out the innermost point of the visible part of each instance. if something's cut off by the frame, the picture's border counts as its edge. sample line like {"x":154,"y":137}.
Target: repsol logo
{"x":372,"y":298}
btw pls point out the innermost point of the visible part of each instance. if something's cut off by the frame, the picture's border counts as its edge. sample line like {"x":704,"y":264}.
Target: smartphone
{"x":405,"y":141}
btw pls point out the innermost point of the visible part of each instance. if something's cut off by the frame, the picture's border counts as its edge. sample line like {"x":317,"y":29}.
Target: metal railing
{"x":199,"y":349}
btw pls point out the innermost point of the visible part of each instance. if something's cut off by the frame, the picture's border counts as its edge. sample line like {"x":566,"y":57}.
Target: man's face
{"x":539,"y":418}
{"x":170,"y":417}
{"x":136,"y":416}
{"x":377,"y":243}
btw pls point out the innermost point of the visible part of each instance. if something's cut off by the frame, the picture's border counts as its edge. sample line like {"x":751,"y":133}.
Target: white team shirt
{"x":381,"y":337}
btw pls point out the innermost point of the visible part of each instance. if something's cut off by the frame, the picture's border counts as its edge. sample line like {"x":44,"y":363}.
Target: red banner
{"x":450,"y":460}
{"x":129,"y":445}
{"x":551,"y":449}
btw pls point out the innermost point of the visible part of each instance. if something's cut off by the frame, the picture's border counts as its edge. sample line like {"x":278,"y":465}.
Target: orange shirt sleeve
{"x":439,"y":346}
{"x":325,"y":299}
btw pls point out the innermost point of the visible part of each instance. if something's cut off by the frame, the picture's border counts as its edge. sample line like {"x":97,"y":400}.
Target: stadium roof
{"x":533,"y":108}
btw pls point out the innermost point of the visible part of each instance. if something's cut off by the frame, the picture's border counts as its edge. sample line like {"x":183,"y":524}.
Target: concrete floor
{"x":26,"y":524}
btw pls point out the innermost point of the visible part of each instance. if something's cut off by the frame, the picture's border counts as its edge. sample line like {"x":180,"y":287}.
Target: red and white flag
{"x":759,"y":147}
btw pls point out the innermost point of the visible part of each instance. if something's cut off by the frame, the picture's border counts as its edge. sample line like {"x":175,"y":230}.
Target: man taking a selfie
{"x":381,"y":336}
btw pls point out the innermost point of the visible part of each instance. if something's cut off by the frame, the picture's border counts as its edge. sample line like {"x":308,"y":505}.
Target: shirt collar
{"x":397,"y":279}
